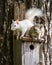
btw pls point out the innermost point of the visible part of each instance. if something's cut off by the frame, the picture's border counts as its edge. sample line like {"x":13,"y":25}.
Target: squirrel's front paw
{"x":18,"y":37}
{"x":21,"y":37}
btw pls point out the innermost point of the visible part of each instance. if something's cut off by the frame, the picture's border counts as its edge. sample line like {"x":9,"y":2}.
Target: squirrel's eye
{"x":14,"y":25}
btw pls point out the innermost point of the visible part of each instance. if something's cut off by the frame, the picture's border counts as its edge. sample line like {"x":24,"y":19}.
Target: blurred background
{"x":10,"y":50}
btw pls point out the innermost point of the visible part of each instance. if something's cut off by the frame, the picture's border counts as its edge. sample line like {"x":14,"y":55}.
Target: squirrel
{"x":27,"y":23}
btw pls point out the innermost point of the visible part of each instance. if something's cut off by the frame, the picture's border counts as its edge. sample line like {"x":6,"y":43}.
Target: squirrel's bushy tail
{"x":32,"y":12}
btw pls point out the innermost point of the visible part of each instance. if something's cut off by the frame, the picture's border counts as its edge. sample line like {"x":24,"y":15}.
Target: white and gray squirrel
{"x":27,"y":23}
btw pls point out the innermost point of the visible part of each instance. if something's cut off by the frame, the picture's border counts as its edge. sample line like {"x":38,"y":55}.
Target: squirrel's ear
{"x":12,"y":21}
{"x":17,"y":21}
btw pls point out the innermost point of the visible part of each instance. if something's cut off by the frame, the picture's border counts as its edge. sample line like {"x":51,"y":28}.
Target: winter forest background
{"x":10,"y":50}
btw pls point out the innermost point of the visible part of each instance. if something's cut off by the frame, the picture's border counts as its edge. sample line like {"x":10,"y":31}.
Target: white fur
{"x":27,"y":23}
{"x":32,"y":12}
{"x":23,"y":25}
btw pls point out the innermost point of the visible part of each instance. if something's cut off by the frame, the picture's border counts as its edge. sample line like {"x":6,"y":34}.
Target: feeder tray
{"x":29,"y":39}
